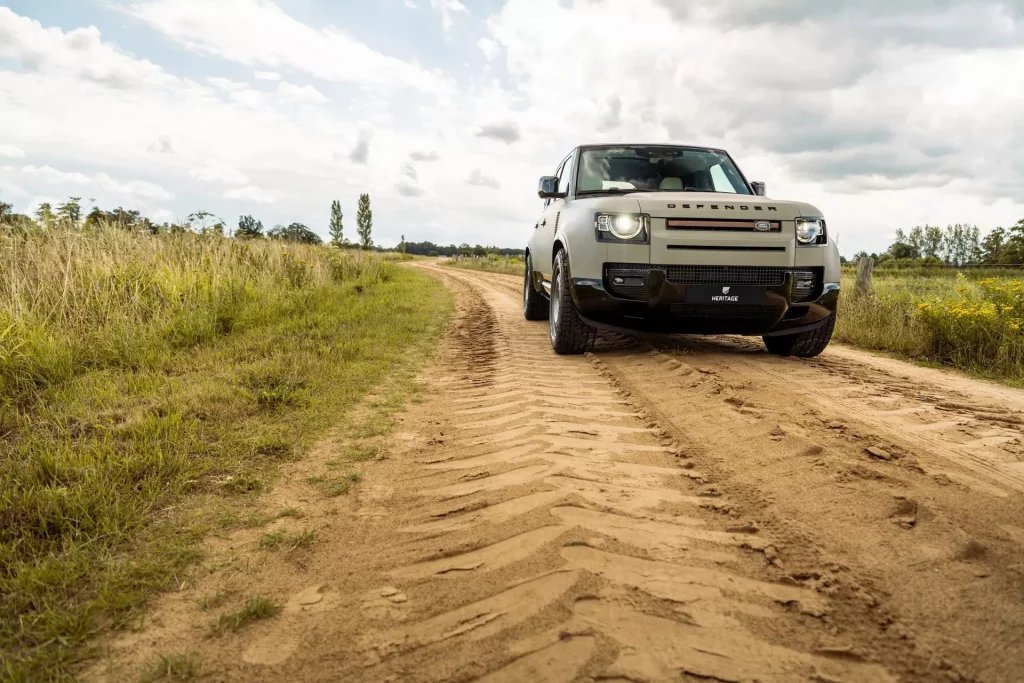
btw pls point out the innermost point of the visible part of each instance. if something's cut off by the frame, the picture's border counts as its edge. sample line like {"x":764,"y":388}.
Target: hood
{"x":719,"y":205}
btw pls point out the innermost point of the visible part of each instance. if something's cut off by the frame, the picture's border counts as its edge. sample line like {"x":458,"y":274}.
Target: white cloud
{"x":264,"y":35}
{"x":266,"y":75}
{"x":79,"y":53}
{"x":226,"y":85}
{"x":477,"y":177}
{"x":11,"y":152}
{"x":304,"y":94}
{"x":73,"y":181}
{"x":489,"y":47}
{"x":249,"y":193}
{"x":447,"y":8}
{"x":219,"y":172}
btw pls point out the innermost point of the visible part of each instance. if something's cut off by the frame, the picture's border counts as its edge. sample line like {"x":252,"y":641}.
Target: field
{"x":140,"y":374}
{"x":970,"y":319}
{"x":512,"y":265}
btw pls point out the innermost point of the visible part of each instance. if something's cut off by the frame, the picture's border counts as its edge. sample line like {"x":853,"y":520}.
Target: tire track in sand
{"x":588,"y":550}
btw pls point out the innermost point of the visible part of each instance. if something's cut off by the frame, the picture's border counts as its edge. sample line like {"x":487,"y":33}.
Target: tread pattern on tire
{"x":572,"y":336}
{"x":535,"y":306}
{"x":804,"y":345}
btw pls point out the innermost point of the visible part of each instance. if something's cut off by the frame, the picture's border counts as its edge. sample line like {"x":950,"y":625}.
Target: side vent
{"x":558,"y":216}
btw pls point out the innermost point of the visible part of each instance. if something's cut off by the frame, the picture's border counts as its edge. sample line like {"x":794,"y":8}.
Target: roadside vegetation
{"x":970,"y":319}
{"x":490,"y":263}
{"x":151,"y":376}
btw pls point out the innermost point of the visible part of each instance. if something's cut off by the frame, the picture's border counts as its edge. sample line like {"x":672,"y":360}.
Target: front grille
{"x":723,"y":312}
{"x":632,"y":280}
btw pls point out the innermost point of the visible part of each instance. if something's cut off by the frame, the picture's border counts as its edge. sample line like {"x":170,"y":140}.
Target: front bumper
{"x":661,"y":306}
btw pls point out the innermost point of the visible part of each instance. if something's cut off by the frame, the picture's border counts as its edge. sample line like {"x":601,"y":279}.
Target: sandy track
{"x":655,"y":511}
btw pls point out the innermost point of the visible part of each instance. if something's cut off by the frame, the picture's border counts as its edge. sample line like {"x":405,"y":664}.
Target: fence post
{"x":864,"y":268}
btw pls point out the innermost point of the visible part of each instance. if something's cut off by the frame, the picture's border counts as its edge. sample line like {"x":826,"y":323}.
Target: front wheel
{"x":534,"y":306}
{"x":805,"y":344}
{"x":569,"y":334}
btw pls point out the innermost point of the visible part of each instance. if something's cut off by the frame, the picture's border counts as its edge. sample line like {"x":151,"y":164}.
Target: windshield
{"x":658,"y":168}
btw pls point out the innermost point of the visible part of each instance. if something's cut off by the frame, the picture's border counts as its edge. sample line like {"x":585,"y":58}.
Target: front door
{"x":547,"y":228}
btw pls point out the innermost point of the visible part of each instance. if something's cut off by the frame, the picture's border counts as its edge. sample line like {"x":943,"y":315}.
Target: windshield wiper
{"x":612,"y":190}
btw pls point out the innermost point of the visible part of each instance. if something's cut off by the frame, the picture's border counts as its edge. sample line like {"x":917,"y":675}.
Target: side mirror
{"x":759,"y":188}
{"x":547,"y":188}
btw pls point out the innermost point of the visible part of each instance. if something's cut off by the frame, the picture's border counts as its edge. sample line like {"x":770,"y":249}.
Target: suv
{"x":671,"y":239}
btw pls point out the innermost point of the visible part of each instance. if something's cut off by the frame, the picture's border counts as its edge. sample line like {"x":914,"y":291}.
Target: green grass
{"x":489,"y":264}
{"x":972,"y":321}
{"x":255,"y":608}
{"x":146,"y":382}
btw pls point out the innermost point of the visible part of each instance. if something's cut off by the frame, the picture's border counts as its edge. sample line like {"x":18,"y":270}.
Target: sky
{"x":883,"y":114}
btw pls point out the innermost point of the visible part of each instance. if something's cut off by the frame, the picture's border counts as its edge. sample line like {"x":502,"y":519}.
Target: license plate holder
{"x":726,"y":295}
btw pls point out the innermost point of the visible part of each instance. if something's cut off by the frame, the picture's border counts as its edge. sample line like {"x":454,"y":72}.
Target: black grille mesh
{"x":760,"y":276}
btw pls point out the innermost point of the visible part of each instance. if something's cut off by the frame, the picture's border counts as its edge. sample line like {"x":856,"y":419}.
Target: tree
{"x":336,"y":227}
{"x":992,"y":246}
{"x":364,"y":222}
{"x":902,"y":248}
{"x":95,"y":217}
{"x":70,"y":212}
{"x":932,"y":245}
{"x":45,"y":216}
{"x":249,"y":228}
{"x":401,"y":247}
{"x":6,"y":211}
{"x":296,"y":232}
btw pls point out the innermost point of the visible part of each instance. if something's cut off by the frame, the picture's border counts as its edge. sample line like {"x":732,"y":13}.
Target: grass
{"x":147,"y":380}
{"x":255,"y":608}
{"x":173,"y":668}
{"x":972,"y":320}
{"x":513,"y":265}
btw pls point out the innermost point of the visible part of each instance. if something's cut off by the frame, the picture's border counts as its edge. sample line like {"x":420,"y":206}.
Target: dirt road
{"x":686,"y":510}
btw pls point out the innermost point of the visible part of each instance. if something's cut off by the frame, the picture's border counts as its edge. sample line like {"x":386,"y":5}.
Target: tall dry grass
{"x":139,"y":372}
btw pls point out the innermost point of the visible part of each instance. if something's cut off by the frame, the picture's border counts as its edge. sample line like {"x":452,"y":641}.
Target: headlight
{"x":625,"y":226}
{"x":809,"y":230}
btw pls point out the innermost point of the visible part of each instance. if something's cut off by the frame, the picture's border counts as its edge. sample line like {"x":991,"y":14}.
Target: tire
{"x":534,"y":305}
{"x":803,"y":345}
{"x":569,"y":334}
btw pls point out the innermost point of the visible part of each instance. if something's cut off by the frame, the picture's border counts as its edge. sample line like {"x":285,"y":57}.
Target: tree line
{"x":954,"y":245}
{"x":69,"y":215}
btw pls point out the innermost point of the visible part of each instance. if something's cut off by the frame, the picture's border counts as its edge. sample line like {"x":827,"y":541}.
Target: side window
{"x":565,"y":176}
{"x":720,"y":180}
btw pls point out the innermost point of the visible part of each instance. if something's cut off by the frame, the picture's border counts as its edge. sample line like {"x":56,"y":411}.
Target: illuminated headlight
{"x":808,"y":230}
{"x":625,"y":226}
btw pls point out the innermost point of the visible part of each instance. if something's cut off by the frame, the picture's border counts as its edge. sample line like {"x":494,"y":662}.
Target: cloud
{"x":11,"y":152}
{"x":266,"y":75}
{"x":361,"y":152}
{"x":409,"y":171}
{"x":268,"y":37}
{"x":133,"y":189}
{"x":305,"y":94}
{"x":408,"y":189}
{"x":478,"y":178}
{"x":249,"y":193}
{"x":219,"y":172}
{"x":79,"y":53}
{"x":425,"y":156}
{"x":226,"y":85}
{"x":447,"y":8}
{"x":162,"y":145}
{"x":489,"y":47}
{"x":503,"y":132}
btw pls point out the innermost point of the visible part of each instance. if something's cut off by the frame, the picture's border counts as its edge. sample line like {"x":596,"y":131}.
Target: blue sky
{"x":885,"y":115}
